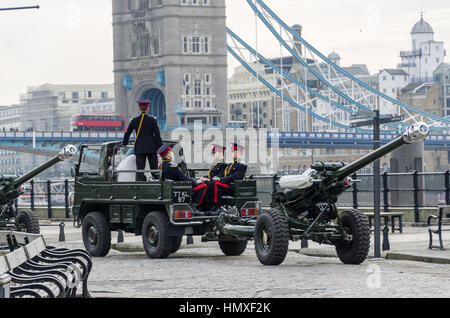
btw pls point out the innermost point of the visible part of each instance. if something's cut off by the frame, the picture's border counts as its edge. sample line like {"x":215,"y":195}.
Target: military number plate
{"x":180,"y":197}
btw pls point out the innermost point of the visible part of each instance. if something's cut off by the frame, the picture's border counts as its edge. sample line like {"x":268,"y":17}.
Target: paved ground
{"x":201,"y":270}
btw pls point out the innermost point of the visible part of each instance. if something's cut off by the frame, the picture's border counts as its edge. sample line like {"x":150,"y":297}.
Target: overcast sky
{"x":70,"y":41}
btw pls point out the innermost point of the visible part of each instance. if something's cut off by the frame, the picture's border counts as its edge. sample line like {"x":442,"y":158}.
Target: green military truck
{"x":107,"y":198}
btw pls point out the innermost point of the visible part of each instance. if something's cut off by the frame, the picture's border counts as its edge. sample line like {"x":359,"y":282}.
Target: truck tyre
{"x":96,"y":234}
{"x":28,"y":221}
{"x":176,"y":243}
{"x":155,"y":235}
{"x":271,"y":237}
{"x":233,"y":248}
{"x":354,"y":223}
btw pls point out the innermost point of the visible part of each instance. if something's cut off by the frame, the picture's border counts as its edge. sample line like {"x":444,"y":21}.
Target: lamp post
{"x":375,"y":122}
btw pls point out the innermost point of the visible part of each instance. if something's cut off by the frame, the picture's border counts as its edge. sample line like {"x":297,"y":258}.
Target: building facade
{"x":10,"y":118}
{"x":425,"y":55}
{"x":442,"y":75}
{"x":50,"y":107}
{"x":172,"y":52}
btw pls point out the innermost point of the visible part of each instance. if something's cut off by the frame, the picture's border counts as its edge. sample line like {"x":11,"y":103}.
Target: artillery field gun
{"x":304,"y":206}
{"x":11,"y":189}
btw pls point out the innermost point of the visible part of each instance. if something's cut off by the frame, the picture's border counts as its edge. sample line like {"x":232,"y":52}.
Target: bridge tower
{"x":172,"y":52}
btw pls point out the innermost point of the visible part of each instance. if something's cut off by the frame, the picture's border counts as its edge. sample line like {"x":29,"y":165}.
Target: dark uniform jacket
{"x":171,"y":171}
{"x":234,"y":171}
{"x":217,"y":170}
{"x":149,"y":139}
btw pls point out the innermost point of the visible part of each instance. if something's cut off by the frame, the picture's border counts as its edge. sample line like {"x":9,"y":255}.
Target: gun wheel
{"x":155,"y":235}
{"x":355,"y":247}
{"x":96,"y":234}
{"x":271,"y":237}
{"x":28,"y":222}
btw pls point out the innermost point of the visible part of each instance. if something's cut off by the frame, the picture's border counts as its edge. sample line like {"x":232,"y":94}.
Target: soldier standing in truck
{"x":148,"y":139}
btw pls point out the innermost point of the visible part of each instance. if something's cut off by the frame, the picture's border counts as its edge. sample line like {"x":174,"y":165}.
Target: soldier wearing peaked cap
{"x":236,"y":170}
{"x":148,"y":139}
{"x":217,"y":169}
{"x":171,"y":171}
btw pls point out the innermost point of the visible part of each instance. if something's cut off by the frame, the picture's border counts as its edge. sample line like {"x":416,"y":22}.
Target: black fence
{"x":48,"y":194}
{"x":397,"y":190}
{"x":408,"y":190}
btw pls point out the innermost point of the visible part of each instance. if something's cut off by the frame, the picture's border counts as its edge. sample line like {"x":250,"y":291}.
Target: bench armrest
{"x":430,"y":218}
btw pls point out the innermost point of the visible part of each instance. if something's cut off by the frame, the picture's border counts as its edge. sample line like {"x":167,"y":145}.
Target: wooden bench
{"x":37,"y":270}
{"x":386,"y":216}
{"x":443,"y":224}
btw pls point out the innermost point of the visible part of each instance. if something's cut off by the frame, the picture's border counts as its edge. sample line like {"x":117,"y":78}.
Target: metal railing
{"x":49,"y":194}
{"x":398,"y":190}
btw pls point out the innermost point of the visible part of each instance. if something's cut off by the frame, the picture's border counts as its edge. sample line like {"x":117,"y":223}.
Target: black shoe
{"x":199,"y":213}
{"x":216,"y":211}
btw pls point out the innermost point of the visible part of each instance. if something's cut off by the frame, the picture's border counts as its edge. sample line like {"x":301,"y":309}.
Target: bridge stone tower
{"x":172,"y":52}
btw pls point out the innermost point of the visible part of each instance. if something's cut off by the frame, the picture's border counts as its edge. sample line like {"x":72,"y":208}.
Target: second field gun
{"x":11,"y":189}
{"x":304,"y":206}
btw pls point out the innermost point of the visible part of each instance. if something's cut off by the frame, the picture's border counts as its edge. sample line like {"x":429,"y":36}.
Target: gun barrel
{"x":66,"y":153}
{"x":415,"y":133}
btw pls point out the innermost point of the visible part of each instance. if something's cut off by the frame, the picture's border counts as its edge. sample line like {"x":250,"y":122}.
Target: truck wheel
{"x":28,"y":221}
{"x":155,"y":235}
{"x":176,"y":243}
{"x":233,"y":248}
{"x":96,"y":234}
{"x":271,"y":237}
{"x":356,"y":226}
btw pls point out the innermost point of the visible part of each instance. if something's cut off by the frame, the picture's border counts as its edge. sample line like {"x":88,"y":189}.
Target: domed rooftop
{"x":334,"y":56}
{"x":422,"y":27}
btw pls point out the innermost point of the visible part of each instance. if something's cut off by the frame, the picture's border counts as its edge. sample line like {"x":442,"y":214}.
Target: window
{"x":208,"y":91}
{"x":205,"y":45}
{"x":197,"y":88}
{"x":130,"y":5}
{"x":75,"y":95}
{"x":62,"y":95}
{"x":104,"y":95}
{"x":187,"y":77}
{"x":156,"y":46}
{"x":195,"y":2}
{"x":208,"y":104}
{"x":159,"y":3}
{"x":207,"y":78}
{"x":198,"y":104}
{"x":187,"y":104}
{"x":185,"y":45}
{"x":384,"y":78}
{"x":145,"y":44}
{"x":89,"y":94}
{"x":196,"y":45}
{"x":143,"y":4}
{"x":438,"y":60}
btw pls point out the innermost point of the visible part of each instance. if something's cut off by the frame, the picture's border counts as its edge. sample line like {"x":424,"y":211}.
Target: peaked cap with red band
{"x":164,"y":150}
{"x":217,"y":148}
{"x":144,"y":103}
{"x":236,"y":146}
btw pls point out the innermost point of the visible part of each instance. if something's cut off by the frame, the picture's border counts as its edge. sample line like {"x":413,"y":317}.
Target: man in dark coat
{"x":236,"y":170}
{"x":171,"y":171}
{"x":148,"y":139}
{"x":217,"y":169}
